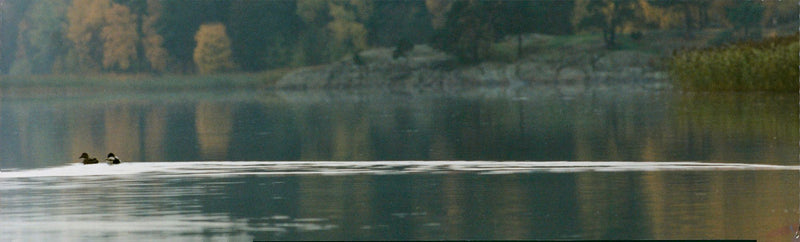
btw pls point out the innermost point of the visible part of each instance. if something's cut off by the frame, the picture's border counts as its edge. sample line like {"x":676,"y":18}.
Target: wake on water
{"x":237,"y":168}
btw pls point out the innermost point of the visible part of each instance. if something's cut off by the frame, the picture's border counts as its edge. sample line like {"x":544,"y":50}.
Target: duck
{"x":112,"y":159}
{"x":87,"y":160}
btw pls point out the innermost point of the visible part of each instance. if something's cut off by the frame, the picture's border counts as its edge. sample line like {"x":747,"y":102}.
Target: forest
{"x":39,"y":37}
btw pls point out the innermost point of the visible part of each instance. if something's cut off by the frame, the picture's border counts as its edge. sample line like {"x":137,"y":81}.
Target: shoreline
{"x":576,"y":60}
{"x":425,"y":67}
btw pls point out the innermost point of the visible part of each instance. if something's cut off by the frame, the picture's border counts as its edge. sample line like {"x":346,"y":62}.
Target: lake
{"x":538,"y":162}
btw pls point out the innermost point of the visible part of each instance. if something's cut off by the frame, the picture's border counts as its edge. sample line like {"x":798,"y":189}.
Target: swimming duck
{"x":87,"y":160}
{"x":112,"y":159}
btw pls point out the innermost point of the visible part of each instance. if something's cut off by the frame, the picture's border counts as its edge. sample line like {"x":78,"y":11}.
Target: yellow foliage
{"x":153,"y":43}
{"x":85,"y":18}
{"x":663,"y":17}
{"x":119,"y":37}
{"x":346,"y":27}
{"x":213,"y":52}
{"x":349,"y":33}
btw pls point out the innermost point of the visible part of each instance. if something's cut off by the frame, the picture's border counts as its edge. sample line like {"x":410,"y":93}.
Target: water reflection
{"x":583,"y":205}
{"x":530,"y":125}
{"x":213,"y":125}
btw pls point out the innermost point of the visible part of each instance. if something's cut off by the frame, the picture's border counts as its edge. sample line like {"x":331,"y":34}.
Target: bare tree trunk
{"x":687,"y":11}
{"x":519,"y":46}
{"x":610,"y":37}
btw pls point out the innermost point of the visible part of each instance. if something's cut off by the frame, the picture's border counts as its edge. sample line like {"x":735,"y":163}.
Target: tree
{"x":40,"y":38}
{"x":22,"y":63}
{"x":469,"y":30}
{"x":745,"y":14}
{"x":609,"y":16}
{"x":518,"y":18}
{"x":779,"y":12}
{"x":347,"y":25}
{"x":119,"y":38}
{"x":313,"y":12}
{"x":10,"y":17}
{"x":332,"y":29}
{"x":438,"y":10}
{"x":313,"y":45}
{"x":263,"y":33}
{"x":691,"y":11}
{"x":553,"y":17}
{"x":179,"y":24}
{"x":213,"y":52}
{"x":153,"y":43}
{"x":348,"y":31}
{"x":393,"y":21}
{"x":85,"y":21}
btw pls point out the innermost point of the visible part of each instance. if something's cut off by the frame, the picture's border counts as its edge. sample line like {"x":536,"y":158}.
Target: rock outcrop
{"x":425,"y":67}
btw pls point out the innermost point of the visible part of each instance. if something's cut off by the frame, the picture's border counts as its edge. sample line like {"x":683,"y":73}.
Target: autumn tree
{"x":179,"y":24}
{"x":690,"y":11}
{"x":85,"y":22}
{"x":152,"y":41}
{"x":332,"y":28}
{"x":119,"y":38}
{"x":213,"y":51}
{"x":347,"y":24}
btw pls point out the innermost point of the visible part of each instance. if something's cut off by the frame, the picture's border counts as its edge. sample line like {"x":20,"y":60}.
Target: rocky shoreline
{"x":425,"y":67}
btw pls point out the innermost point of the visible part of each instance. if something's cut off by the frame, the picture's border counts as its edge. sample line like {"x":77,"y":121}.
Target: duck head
{"x":84,"y":156}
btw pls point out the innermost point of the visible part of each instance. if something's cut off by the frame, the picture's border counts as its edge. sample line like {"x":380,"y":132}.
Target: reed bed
{"x":766,"y":65}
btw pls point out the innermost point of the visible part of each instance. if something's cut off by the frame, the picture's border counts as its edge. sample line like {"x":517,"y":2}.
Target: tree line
{"x":207,"y":36}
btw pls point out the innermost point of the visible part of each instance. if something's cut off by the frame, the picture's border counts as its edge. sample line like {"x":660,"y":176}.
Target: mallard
{"x":87,"y":160}
{"x":112,"y":159}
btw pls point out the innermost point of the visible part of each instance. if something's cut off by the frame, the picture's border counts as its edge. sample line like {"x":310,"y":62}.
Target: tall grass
{"x":767,"y":65}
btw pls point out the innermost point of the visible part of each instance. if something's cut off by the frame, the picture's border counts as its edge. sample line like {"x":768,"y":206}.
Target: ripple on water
{"x":145,"y":170}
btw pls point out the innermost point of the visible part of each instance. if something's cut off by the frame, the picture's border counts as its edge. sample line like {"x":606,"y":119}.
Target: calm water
{"x":279,"y":165}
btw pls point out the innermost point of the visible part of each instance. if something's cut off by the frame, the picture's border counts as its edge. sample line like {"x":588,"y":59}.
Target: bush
{"x":767,"y":65}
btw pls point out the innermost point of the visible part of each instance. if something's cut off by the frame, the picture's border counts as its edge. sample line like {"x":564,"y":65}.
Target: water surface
{"x":533,"y":163}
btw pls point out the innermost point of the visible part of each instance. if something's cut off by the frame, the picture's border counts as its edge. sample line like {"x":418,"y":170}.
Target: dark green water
{"x":339,"y":203}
